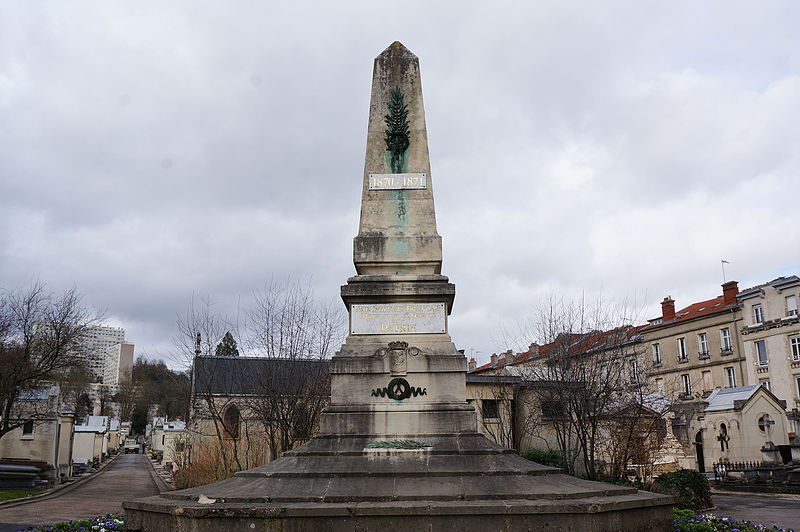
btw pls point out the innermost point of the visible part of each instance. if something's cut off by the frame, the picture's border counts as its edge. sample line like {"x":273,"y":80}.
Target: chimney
{"x":668,"y":309}
{"x":472,"y":364}
{"x":533,"y":348}
{"x":509,"y":356}
{"x":494,"y":359}
{"x":729,"y":291}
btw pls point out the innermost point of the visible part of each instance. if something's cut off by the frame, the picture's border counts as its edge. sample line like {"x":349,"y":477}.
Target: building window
{"x":791,"y":305}
{"x":634,"y":370}
{"x":687,"y":384}
{"x":758,"y":314}
{"x":765,"y":383}
{"x":657,"y":354}
{"x":761,"y":352}
{"x":230,"y":422}
{"x":682,"y":349}
{"x":552,"y":410}
{"x":725,"y":340}
{"x":490,"y":409}
{"x":708,"y":382}
{"x":723,"y":437}
{"x":794,"y":344}
{"x":797,"y":381}
{"x":27,"y":428}
{"x":730,"y":374}
{"x":702,"y":343}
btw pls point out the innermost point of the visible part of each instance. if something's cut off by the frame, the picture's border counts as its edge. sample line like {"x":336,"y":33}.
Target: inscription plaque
{"x":397,"y":318}
{"x":397,"y":181}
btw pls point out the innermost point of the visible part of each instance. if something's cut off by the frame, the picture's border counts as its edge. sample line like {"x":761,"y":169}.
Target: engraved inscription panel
{"x":397,"y":181}
{"x":398,"y":318}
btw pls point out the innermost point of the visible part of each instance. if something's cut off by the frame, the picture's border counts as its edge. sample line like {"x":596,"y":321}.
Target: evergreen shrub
{"x":548,"y":457}
{"x":689,"y":487}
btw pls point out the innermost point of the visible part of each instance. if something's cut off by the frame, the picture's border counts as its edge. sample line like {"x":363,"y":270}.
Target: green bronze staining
{"x":397,"y":130}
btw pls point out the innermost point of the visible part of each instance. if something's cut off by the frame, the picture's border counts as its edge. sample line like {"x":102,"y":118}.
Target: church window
{"x":230,"y":422}
{"x":723,"y":437}
{"x":765,"y":423}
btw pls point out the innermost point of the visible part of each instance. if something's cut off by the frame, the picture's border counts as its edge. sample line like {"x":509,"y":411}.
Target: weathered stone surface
{"x":397,"y":230}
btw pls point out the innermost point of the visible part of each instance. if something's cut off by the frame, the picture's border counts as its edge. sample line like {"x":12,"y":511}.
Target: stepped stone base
{"x":462,"y":482}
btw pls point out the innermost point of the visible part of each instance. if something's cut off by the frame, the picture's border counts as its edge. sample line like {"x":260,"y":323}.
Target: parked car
{"x":131,"y":446}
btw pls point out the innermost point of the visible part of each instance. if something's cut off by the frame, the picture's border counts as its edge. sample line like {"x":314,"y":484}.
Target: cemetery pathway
{"x":128,"y":477}
{"x":783,"y":510}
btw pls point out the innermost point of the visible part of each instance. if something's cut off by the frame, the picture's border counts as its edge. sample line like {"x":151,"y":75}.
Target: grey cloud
{"x":149,"y":153}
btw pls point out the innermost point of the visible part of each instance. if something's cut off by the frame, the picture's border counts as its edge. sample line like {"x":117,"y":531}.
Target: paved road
{"x":783,"y":510}
{"x":128,"y":477}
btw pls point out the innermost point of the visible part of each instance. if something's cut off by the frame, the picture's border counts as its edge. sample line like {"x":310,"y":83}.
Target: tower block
{"x":398,"y":447}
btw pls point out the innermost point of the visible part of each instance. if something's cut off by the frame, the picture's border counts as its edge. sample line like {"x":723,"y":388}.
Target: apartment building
{"x":697,"y":348}
{"x":105,"y":353}
{"x":118,"y":364}
{"x":771,"y":340}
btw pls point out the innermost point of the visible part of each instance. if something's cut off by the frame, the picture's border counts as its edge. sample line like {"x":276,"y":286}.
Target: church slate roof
{"x":251,"y":375}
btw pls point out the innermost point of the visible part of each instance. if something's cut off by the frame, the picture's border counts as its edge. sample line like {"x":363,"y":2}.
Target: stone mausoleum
{"x":398,"y":447}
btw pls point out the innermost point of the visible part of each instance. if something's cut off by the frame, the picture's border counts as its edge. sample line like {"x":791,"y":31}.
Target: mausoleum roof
{"x":723,"y":398}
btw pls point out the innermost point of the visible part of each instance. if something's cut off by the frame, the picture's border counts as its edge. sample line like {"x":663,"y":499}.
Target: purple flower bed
{"x":108,"y":523}
{"x":688,"y":521}
{"x":683,"y":520}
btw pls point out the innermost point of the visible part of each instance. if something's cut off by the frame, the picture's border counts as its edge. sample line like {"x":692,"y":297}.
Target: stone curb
{"x":160,"y":484}
{"x":733,"y":493}
{"x":58,"y":490}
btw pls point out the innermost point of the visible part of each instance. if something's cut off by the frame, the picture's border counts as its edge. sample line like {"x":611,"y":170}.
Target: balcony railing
{"x":703,"y":354}
{"x":726,"y":350}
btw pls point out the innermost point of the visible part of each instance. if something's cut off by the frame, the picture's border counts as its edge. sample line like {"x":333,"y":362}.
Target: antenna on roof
{"x":723,"y":262}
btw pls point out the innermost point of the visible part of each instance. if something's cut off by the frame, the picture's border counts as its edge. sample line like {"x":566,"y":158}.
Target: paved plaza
{"x":782,"y":510}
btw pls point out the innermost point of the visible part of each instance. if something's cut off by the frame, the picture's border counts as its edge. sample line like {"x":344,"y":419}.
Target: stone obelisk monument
{"x":398,"y":447}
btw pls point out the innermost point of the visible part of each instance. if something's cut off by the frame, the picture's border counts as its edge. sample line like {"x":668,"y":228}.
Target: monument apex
{"x":397,"y":229}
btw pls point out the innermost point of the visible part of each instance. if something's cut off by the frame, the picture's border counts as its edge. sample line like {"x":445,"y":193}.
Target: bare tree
{"x":297,"y":334}
{"x":38,"y":331}
{"x":215,"y":414}
{"x":201,"y":322}
{"x":590,"y":380}
{"x":126,"y":397}
{"x":74,"y":382}
{"x":268,"y":396}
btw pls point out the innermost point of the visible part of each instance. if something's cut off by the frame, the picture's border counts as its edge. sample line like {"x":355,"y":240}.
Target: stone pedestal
{"x":795,"y":449}
{"x":770,"y":454}
{"x":455,"y":482}
{"x":398,"y":447}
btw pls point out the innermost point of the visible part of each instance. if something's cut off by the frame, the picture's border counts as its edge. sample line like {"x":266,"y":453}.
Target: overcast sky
{"x":162,"y":149}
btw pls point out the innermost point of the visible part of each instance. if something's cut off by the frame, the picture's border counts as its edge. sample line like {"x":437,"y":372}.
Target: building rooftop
{"x":568,"y":344}
{"x":254,"y":375}
{"x":723,"y":398}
